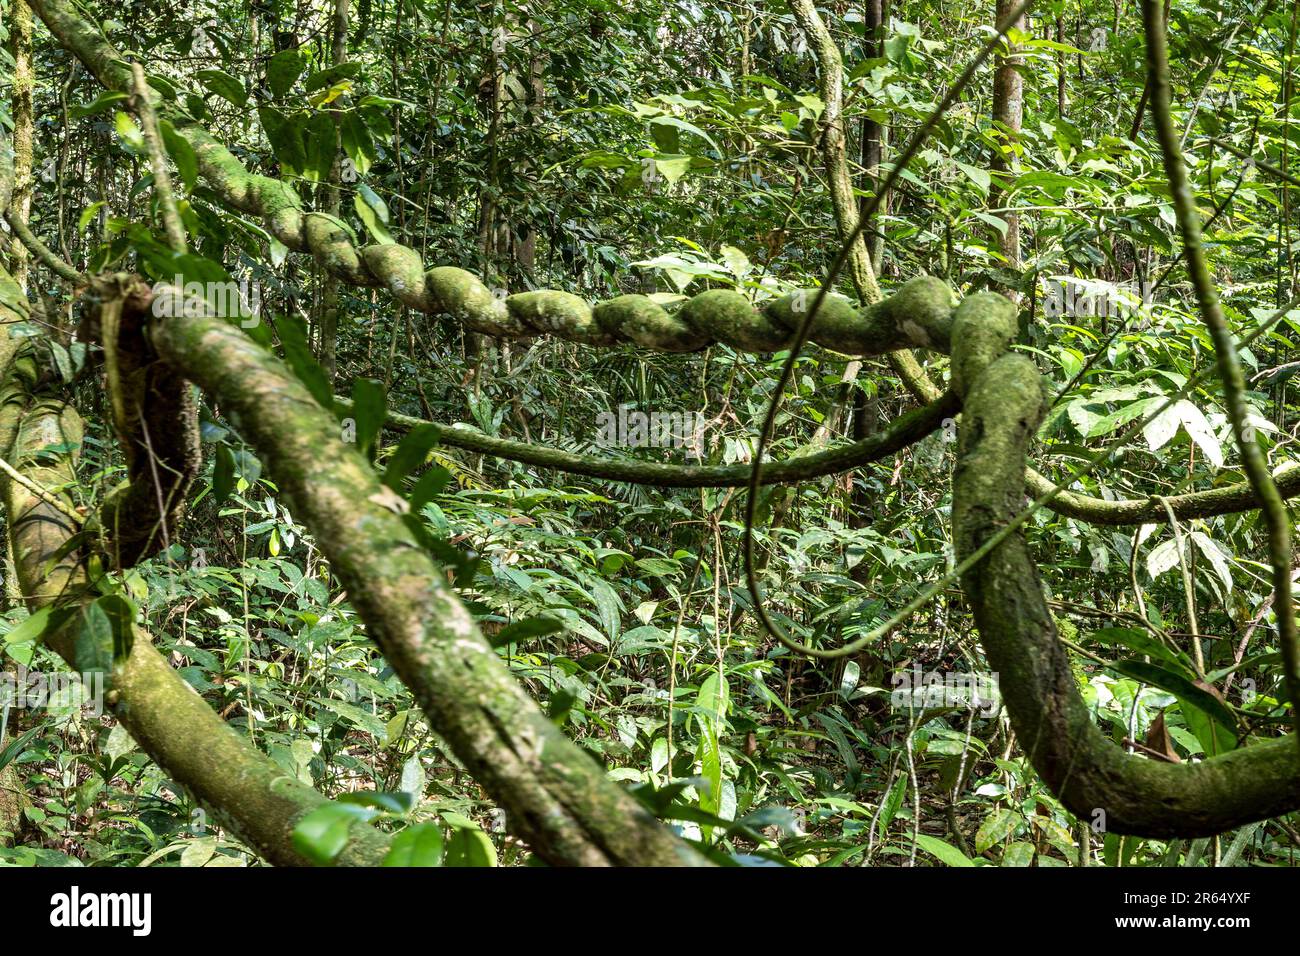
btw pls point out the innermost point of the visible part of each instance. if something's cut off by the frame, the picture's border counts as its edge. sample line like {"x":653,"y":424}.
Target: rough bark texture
{"x":20,"y":48}
{"x":246,"y":790}
{"x":12,"y":801}
{"x":329,"y":299}
{"x":155,"y":416}
{"x":555,"y":795}
{"x":873,"y":134}
{"x":830,"y":69}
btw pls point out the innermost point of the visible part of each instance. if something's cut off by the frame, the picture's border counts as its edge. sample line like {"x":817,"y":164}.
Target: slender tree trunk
{"x":12,"y":797}
{"x":20,"y":48}
{"x":831,"y":88}
{"x":525,"y":241}
{"x":873,"y":137}
{"x":1060,"y":69}
{"x":1008,"y":115}
{"x":329,"y":301}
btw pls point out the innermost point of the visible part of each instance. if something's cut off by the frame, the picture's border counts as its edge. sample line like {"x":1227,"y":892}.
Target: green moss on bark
{"x":554,"y":794}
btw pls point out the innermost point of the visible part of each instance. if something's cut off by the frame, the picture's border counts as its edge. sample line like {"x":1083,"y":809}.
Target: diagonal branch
{"x":555,"y":795}
{"x":41,"y":435}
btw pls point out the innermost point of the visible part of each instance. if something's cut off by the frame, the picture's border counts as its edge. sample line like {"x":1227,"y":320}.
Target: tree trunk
{"x":329,"y":301}
{"x":1008,"y":114}
{"x":20,"y":48}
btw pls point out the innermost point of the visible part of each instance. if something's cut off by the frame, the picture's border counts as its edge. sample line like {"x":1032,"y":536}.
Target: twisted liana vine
{"x":555,"y":799}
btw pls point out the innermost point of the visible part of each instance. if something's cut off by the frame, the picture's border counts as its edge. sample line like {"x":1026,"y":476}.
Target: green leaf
{"x":1180,"y":686}
{"x":15,"y":746}
{"x":997,"y":826}
{"x":322,"y":834}
{"x":428,"y":487}
{"x":282,"y":71}
{"x":609,"y":606}
{"x":889,"y":807}
{"x":129,"y":132}
{"x":29,"y":631}
{"x":523,"y":630}
{"x":397,"y":803}
{"x":320,"y":137}
{"x":1143,"y":643}
{"x":323,"y":78}
{"x":419,"y":845}
{"x":1214,"y":735}
{"x":469,"y":847}
{"x":713,"y":698}
{"x":946,"y":853}
{"x":1198,"y":428}
{"x":675,"y":123}
{"x":223,"y":474}
{"x":361,"y":717}
{"x":1019,"y":853}
{"x":224,"y":85}
{"x":355,"y":137}
{"x":369,"y":409}
{"x":1239,"y":843}
{"x":182,"y":154}
{"x":105,"y":635}
{"x":373,"y":213}
{"x":672,"y":168}
{"x":89,"y":214}
{"x":100,"y":104}
{"x":976,"y":175}
{"x":411,"y":454}
{"x":298,"y":355}
{"x":285,"y":135}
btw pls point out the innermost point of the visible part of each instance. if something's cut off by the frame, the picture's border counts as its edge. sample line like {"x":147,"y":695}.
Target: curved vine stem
{"x":1276,"y":519}
{"x":1049,"y":492}
{"x":801,"y":336}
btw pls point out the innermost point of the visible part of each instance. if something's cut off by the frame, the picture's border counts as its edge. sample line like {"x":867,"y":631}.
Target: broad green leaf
{"x":30,"y":629}
{"x":322,"y":834}
{"x":320,"y":138}
{"x":182,"y":154}
{"x":1180,"y":686}
{"x":100,"y":104}
{"x":419,"y":845}
{"x":469,"y":847}
{"x":411,"y":453}
{"x":282,"y":71}
{"x":978,"y":176}
{"x":1201,"y":433}
{"x":525,"y":629}
{"x":224,"y":85}
{"x":1019,"y":853}
{"x":945,"y":852}
{"x":997,"y":826}
{"x":672,"y":168}
{"x":369,"y":409}
{"x":355,"y":137}
{"x":373,"y":214}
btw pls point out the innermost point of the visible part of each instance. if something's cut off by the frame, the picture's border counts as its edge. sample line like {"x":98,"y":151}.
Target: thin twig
{"x":162,"y":180}
{"x":44,"y":494}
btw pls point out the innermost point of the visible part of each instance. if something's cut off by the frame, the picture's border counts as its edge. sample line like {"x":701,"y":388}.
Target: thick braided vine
{"x":915,"y":316}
